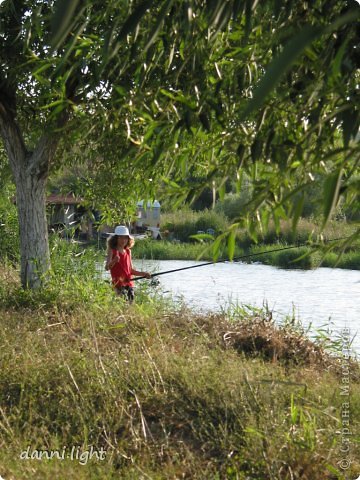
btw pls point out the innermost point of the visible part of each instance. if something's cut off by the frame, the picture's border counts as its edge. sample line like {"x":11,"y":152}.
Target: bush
{"x":188,"y":223}
{"x":306,"y":230}
{"x":233,"y":204}
{"x":284,"y":258}
{"x":349,"y":260}
{"x":163,"y":250}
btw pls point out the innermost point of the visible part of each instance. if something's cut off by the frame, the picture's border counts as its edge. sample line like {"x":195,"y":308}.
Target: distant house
{"x":62,"y":210}
{"x":65,"y":212}
{"x":148,"y":218}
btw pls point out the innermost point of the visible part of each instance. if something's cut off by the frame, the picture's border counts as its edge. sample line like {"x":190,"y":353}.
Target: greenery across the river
{"x":294,"y":258}
{"x":181,"y":227}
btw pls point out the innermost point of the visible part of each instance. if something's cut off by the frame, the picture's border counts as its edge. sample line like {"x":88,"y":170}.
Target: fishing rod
{"x":237,"y":258}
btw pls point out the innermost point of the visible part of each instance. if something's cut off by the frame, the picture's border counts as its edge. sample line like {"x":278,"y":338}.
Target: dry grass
{"x":168,"y":394}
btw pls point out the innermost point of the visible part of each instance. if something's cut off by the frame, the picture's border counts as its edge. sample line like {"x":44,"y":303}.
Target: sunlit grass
{"x":167,"y":393}
{"x":300,"y":257}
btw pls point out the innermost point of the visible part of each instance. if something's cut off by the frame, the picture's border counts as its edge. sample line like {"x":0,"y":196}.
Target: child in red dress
{"x":119,"y":263}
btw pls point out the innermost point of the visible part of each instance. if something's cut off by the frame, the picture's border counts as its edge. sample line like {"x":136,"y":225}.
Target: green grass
{"x":164,"y":250}
{"x":167,"y":393}
{"x":181,"y":225}
{"x":305,"y":258}
{"x":349,"y":260}
{"x":301,"y":257}
{"x":184,"y":224}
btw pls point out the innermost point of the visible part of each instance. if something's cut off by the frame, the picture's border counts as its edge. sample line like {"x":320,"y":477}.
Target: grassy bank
{"x":182,"y":225}
{"x":165,"y":393}
{"x":301,"y":257}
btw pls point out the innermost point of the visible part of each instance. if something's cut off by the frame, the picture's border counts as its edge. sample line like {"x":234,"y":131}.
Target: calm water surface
{"x":322,"y":297}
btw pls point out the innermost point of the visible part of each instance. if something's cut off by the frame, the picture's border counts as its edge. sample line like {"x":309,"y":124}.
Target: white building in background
{"x":148,"y":218}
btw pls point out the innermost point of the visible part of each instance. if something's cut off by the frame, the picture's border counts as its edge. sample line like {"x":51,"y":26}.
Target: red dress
{"x":121,"y":271}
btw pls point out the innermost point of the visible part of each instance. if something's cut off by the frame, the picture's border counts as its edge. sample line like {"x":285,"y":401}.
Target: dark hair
{"x":113,"y":240}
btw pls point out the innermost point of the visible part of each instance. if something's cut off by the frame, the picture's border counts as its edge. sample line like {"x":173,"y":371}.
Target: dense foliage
{"x":186,"y":93}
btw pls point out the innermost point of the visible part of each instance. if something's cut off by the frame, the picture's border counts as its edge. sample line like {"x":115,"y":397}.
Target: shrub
{"x":186,"y":223}
{"x":349,"y":260}
{"x":284,"y":258}
{"x":233,"y":204}
{"x":163,"y":250}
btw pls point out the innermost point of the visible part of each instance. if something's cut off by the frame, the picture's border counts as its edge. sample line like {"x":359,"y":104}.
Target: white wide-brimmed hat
{"x":121,"y":230}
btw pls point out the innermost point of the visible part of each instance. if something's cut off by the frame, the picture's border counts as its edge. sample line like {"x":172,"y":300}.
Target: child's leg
{"x":126,"y":292}
{"x":130,"y":294}
{"x":121,"y":292}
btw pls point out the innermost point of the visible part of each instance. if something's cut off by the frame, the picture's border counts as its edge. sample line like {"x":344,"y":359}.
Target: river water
{"x":323,"y":298}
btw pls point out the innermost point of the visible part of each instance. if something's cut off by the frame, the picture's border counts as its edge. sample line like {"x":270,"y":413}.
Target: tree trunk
{"x":30,"y":170}
{"x":34,"y":246}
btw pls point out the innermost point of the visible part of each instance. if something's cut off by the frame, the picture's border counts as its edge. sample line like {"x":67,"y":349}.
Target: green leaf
{"x":240,"y":153}
{"x":231,"y":244}
{"x":350,"y":16}
{"x":252,"y":231}
{"x":256,"y":149}
{"x":223,"y":18}
{"x":202,"y":236}
{"x":215,"y":11}
{"x":216,"y":247}
{"x":248,"y":8}
{"x":350,"y":120}
{"x":294,"y":411}
{"x":161,"y":17}
{"x":178,"y":97}
{"x":281,"y":65}
{"x":222,"y":190}
{"x":54,"y":104}
{"x":276,"y":221}
{"x":239,"y":180}
{"x":42,"y":69}
{"x":62,"y":21}
{"x":333,"y":470}
{"x":331,"y":193}
{"x":298,"y":211}
{"x":339,"y":57}
{"x":265,"y":218}
{"x":61,"y":66}
{"x":134,"y":19}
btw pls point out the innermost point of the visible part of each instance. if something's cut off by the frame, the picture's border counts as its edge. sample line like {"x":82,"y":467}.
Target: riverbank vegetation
{"x":167,"y":393}
{"x":183,"y":227}
{"x":179,"y":242}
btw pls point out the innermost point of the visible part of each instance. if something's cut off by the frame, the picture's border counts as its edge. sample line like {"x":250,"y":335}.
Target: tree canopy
{"x":189,"y":93}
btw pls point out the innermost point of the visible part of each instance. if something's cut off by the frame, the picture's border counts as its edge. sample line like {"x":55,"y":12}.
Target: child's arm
{"x":137,"y":272}
{"x":140,"y":274}
{"x":110,"y":260}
